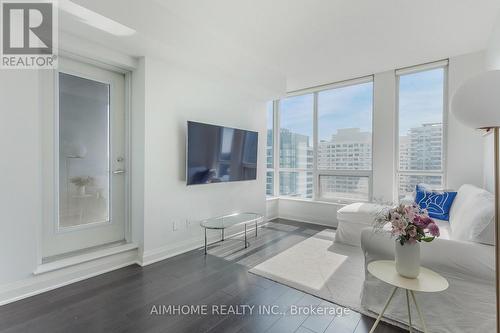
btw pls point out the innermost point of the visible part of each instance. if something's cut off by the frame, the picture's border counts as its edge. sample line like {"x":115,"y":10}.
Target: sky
{"x":420,"y":101}
{"x":344,"y":107}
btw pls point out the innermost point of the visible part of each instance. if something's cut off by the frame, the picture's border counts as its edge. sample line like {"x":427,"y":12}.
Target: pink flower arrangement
{"x":409,"y":224}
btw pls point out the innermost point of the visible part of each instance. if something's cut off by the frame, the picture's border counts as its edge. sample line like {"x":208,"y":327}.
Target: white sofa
{"x":352,"y":219}
{"x":463,"y":254}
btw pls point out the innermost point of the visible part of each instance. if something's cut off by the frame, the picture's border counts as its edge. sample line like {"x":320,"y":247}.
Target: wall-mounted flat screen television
{"x":220,"y":154}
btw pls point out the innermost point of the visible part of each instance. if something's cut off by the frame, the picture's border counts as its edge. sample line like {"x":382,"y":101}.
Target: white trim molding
{"x":422,"y":67}
{"x":328,"y":86}
{"x":169,"y":251}
{"x":82,"y":258}
{"x":37,"y":284}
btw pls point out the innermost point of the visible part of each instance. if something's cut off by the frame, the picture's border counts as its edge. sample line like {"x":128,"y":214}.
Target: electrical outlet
{"x":174,"y":226}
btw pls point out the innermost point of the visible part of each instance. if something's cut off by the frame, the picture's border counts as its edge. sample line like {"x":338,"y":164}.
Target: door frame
{"x":57,"y":158}
{"x":49,"y":135}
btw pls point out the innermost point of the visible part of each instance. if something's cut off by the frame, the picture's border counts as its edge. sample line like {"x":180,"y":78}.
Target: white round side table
{"x":428,"y":281}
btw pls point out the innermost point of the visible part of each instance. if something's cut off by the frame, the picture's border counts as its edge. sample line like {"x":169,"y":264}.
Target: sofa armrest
{"x":448,"y":257}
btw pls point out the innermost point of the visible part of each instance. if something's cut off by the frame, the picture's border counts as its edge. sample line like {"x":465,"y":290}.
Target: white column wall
{"x":465,"y":159}
{"x":384,"y":137}
{"x":492,"y":63}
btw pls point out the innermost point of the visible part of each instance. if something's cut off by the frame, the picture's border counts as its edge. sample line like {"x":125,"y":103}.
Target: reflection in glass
{"x":296,"y":128}
{"x":407,"y":183}
{"x":220,"y":154}
{"x":344,"y":187}
{"x":270,"y":183}
{"x":84,"y":189}
{"x":270,"y":135}
{"x":298,"y":184}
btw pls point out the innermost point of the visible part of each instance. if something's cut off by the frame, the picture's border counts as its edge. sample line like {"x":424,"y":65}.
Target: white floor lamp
{"x":477,"y":104}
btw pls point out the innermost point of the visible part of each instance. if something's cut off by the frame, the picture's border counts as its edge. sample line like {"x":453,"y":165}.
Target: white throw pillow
{"x":472,"y":215}
{"x":487,"y":236}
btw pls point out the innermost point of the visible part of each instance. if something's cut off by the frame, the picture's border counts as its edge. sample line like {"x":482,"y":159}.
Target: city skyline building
{"x":351,"y":149}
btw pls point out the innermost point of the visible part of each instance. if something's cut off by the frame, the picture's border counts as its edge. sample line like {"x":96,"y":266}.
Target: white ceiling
{"x":307,"y":42}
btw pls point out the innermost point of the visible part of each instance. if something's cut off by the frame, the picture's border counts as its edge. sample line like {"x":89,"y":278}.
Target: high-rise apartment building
{"x":349,"y":149}
{"x":420,"y":150}
{"x":296,"y":153}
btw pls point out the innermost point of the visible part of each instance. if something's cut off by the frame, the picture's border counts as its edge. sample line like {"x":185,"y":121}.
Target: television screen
{"x":220,"y":154}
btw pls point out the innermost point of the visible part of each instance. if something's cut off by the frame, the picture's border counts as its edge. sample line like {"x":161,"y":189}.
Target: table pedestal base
{"x":408,"y":293}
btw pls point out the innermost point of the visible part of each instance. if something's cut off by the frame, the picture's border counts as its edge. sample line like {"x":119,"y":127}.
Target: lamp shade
{"x":476,"y":103}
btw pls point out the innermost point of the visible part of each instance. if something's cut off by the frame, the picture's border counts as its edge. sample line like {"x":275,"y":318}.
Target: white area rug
{"x":317,"y":266}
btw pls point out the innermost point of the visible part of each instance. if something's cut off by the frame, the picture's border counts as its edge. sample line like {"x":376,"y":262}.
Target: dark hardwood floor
{"x":122,"y":300}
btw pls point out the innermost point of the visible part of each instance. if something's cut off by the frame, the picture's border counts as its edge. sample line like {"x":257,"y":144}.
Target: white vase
{"x":407,"y":258}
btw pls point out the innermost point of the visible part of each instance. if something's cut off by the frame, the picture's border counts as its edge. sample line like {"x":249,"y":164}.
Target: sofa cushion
{"x":359,"y":213}
{"x":444,"y":229}
{"x":437,"y":203}
{"x":472,"y":215}
{"x":352,"y":219}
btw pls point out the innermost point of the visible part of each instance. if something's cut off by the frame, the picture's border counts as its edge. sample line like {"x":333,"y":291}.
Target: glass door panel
{"x":84,"y":188}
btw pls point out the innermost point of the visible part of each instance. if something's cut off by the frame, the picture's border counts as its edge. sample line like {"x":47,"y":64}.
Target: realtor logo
{"x":29,"y":34}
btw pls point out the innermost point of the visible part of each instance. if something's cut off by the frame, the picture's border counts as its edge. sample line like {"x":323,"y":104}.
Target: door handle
{"x":118,"y":172}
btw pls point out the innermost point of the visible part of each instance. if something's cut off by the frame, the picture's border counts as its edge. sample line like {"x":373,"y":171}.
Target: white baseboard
{"x":82,"y":258}
{"x":272,"y":217}
{"x":310,"y":221}
{"x":165,"y":252}
{"x":38,"y":284}
{"x":169,"y":251}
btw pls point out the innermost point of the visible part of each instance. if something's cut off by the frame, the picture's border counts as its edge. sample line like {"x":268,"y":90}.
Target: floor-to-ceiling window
{"x":421,"y":114}
{"x":325,"y":147}
{"x":325,"y":143}
{"x":344,"y":153}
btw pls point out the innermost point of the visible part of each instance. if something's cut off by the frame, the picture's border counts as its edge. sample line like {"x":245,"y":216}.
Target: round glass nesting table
{"x":224,"y":222}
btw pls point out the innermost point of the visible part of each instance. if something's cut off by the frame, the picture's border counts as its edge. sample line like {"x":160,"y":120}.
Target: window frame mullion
{"x":276,"y":147}
{"x":315,"y":148}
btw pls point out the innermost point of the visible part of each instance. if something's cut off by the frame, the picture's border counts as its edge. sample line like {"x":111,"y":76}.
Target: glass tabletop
{"x":223,"y":222}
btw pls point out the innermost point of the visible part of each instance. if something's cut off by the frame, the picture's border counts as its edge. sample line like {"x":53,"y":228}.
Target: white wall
{"x":272,"y":208}
{"x":384,"y":138}
{"x":164,"y":97}
{"x":137,"y":136}
{"x":465,"y":157}
{"x":493,"y":49}
{"x":172,"y":211}
{"x":489,"y":166}
{"x":22,"y":183}
{"x":492,"y":63}
{"x":465,"y":145}
{"x":20,"y":169}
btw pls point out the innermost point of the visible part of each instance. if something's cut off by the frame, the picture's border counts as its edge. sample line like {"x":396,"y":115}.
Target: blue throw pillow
{"x":438,"y":204}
